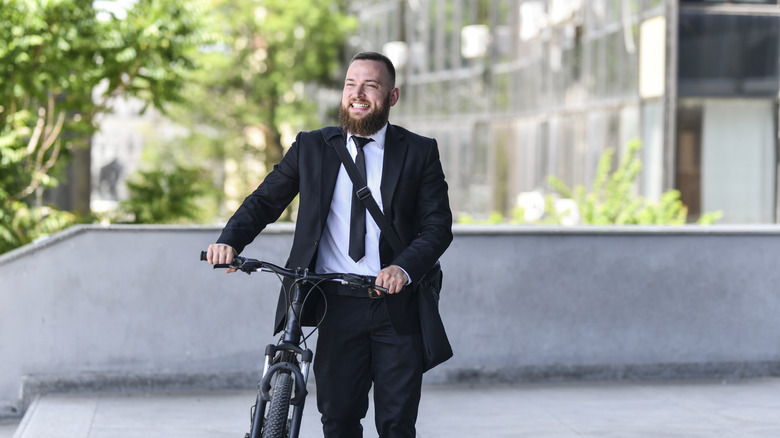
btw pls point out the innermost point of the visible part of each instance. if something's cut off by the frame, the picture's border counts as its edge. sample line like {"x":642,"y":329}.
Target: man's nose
{"x":360,"y":91}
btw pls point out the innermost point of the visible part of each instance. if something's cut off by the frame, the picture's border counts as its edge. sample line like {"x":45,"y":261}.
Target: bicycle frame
{"x":287,"y":364}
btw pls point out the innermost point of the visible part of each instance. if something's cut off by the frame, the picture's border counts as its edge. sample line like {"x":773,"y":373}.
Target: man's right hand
{"x":221,"y":254}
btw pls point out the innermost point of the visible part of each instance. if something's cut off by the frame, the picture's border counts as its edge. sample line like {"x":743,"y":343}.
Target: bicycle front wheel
{"x":279,"y":407}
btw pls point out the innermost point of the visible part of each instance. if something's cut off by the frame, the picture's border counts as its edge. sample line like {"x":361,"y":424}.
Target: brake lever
{"x":377,"y":291}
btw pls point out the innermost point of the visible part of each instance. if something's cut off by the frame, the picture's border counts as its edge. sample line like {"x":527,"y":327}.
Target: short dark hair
{"x":375,"y":56}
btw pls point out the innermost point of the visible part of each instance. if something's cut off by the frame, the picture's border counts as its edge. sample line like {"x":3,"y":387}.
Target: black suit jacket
{"x":414,"y":197}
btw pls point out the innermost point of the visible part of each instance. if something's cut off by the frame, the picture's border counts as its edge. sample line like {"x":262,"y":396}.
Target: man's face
{"x":366,"y":98}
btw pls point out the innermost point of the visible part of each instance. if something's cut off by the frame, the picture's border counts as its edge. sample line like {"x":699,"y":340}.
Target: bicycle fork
{"x":300,"y":376}
{"x":281,"y":359}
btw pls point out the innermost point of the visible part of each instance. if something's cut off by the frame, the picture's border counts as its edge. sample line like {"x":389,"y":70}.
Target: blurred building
{"x":516,"y":90}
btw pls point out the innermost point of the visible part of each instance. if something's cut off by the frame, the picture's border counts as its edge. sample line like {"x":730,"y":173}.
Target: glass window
{"x":501,"y":91}
{"x":652,"y":153}
{"x":726,"y":158}
{"x":738,"y":180}
{"x":728,"y":55}
{"x":567,"y":149}
{"x":541,"y":146}
{"x":689,"y":157}
{"x":530,"y":163}
{"x":598,"y":139}
{"x":579,"y":148}
{"x":627,"y":129}
{"x":500,"y":160}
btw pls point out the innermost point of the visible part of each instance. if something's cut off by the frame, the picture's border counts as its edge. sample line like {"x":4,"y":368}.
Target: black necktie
{"x":357,"y":221}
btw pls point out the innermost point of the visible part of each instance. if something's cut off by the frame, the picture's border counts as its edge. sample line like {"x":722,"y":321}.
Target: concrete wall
{"x":124,"y":307}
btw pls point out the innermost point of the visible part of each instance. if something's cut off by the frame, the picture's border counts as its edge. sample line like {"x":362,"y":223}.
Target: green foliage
{"x":60,"y":66}
{"x":21,"y":224}
{"x":612,"y":199}
{"x":165,"y":196}
{"x":256,"y":82}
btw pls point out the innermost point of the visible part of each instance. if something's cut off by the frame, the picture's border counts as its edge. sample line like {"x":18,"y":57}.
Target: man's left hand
{"x":392,"y":278}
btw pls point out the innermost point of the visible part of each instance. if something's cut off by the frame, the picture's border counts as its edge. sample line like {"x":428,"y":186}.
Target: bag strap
{"x":364,"y":194}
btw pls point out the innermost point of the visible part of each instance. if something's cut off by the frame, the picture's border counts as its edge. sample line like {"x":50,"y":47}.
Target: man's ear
{"x":394,"y":95}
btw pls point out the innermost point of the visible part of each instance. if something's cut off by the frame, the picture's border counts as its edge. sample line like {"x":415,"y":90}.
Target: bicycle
{"x":281,"y":395}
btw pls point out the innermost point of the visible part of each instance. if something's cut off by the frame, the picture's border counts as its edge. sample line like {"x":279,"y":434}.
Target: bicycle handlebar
{"x":249,"y":265}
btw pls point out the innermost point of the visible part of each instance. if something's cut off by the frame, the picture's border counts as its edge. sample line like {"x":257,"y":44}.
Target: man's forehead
{"x":367,"y":71}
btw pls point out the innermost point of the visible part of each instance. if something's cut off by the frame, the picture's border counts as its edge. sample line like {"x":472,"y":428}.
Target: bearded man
{"x":362,"y":341}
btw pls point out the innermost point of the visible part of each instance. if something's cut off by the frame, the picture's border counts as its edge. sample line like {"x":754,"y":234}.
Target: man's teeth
{"x":359,"y":105}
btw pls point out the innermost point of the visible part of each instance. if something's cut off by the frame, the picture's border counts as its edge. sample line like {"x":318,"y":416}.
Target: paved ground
{"x":8,"y":427}
{"x":742,"y":408}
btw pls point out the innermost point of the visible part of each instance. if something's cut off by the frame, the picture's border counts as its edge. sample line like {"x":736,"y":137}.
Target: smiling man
{"x":362,"y":341}
{"x":368,"y":94}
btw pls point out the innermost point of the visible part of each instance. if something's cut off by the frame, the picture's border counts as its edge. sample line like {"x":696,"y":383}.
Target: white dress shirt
{"x":334,"y":247}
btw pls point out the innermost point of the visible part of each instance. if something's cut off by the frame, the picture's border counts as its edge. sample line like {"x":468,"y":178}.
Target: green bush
{"x":21,"y":223}
{"x":163,"y":196}
{"x":611,"y":200}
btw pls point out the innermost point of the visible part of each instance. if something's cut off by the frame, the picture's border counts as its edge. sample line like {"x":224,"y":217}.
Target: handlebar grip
{"x":204,"y":257}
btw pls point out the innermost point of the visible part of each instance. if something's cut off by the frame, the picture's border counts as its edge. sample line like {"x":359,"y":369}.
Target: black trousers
{"x":357,"y":346}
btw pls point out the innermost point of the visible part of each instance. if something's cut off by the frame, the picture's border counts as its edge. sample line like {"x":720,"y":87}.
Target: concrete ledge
{"x":33,"y":386}
{"x":638,"y":372}
{"x":688,"y":230}
{"x":76,"y":230}
{"x":132,"y":307}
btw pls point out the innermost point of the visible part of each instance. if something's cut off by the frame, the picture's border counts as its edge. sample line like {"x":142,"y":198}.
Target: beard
{"x":367,"y":125}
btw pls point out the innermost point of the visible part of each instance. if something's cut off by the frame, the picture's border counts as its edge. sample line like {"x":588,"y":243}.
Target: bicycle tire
{"x":276,"y":419}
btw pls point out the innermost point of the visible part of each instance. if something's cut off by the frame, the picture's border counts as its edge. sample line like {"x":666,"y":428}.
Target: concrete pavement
{"x":739,"y":408}
{"x":8,"y":427}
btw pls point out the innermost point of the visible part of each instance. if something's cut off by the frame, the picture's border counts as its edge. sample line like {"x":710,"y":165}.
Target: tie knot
{"x":362,"y":141}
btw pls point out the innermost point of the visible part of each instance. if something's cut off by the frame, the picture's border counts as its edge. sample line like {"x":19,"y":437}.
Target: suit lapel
{"x":330,"y":169}
{"x":395,"y":154}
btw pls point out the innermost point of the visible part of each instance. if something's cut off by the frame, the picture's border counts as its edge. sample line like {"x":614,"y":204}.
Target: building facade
{"x":516,"y":90}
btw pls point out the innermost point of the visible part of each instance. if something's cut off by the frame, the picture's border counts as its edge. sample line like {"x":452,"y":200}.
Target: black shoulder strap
{"x":364,"y":194}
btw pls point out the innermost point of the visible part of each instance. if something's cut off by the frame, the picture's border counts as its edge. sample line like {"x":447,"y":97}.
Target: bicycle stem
{"x":292,"y":332}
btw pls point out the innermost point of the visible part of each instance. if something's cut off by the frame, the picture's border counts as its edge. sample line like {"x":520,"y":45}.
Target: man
{"x":361,"y":340}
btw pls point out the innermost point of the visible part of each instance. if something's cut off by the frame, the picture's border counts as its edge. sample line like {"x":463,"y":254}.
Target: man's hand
{"x":392,"y":278}
{"x":221,"y":254}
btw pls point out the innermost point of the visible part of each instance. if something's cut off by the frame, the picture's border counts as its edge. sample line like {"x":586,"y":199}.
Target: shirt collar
{"x":378,"y":137}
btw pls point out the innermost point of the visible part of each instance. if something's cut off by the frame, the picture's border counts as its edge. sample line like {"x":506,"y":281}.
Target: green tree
{"x":259,"y":82}
{"x":61,"y":63}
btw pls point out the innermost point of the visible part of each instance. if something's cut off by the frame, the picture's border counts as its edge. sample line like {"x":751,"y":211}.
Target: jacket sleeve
{"x":431,"y":231}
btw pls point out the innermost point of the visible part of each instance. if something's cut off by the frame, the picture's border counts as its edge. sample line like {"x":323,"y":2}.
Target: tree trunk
{"x":82,"y":180}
